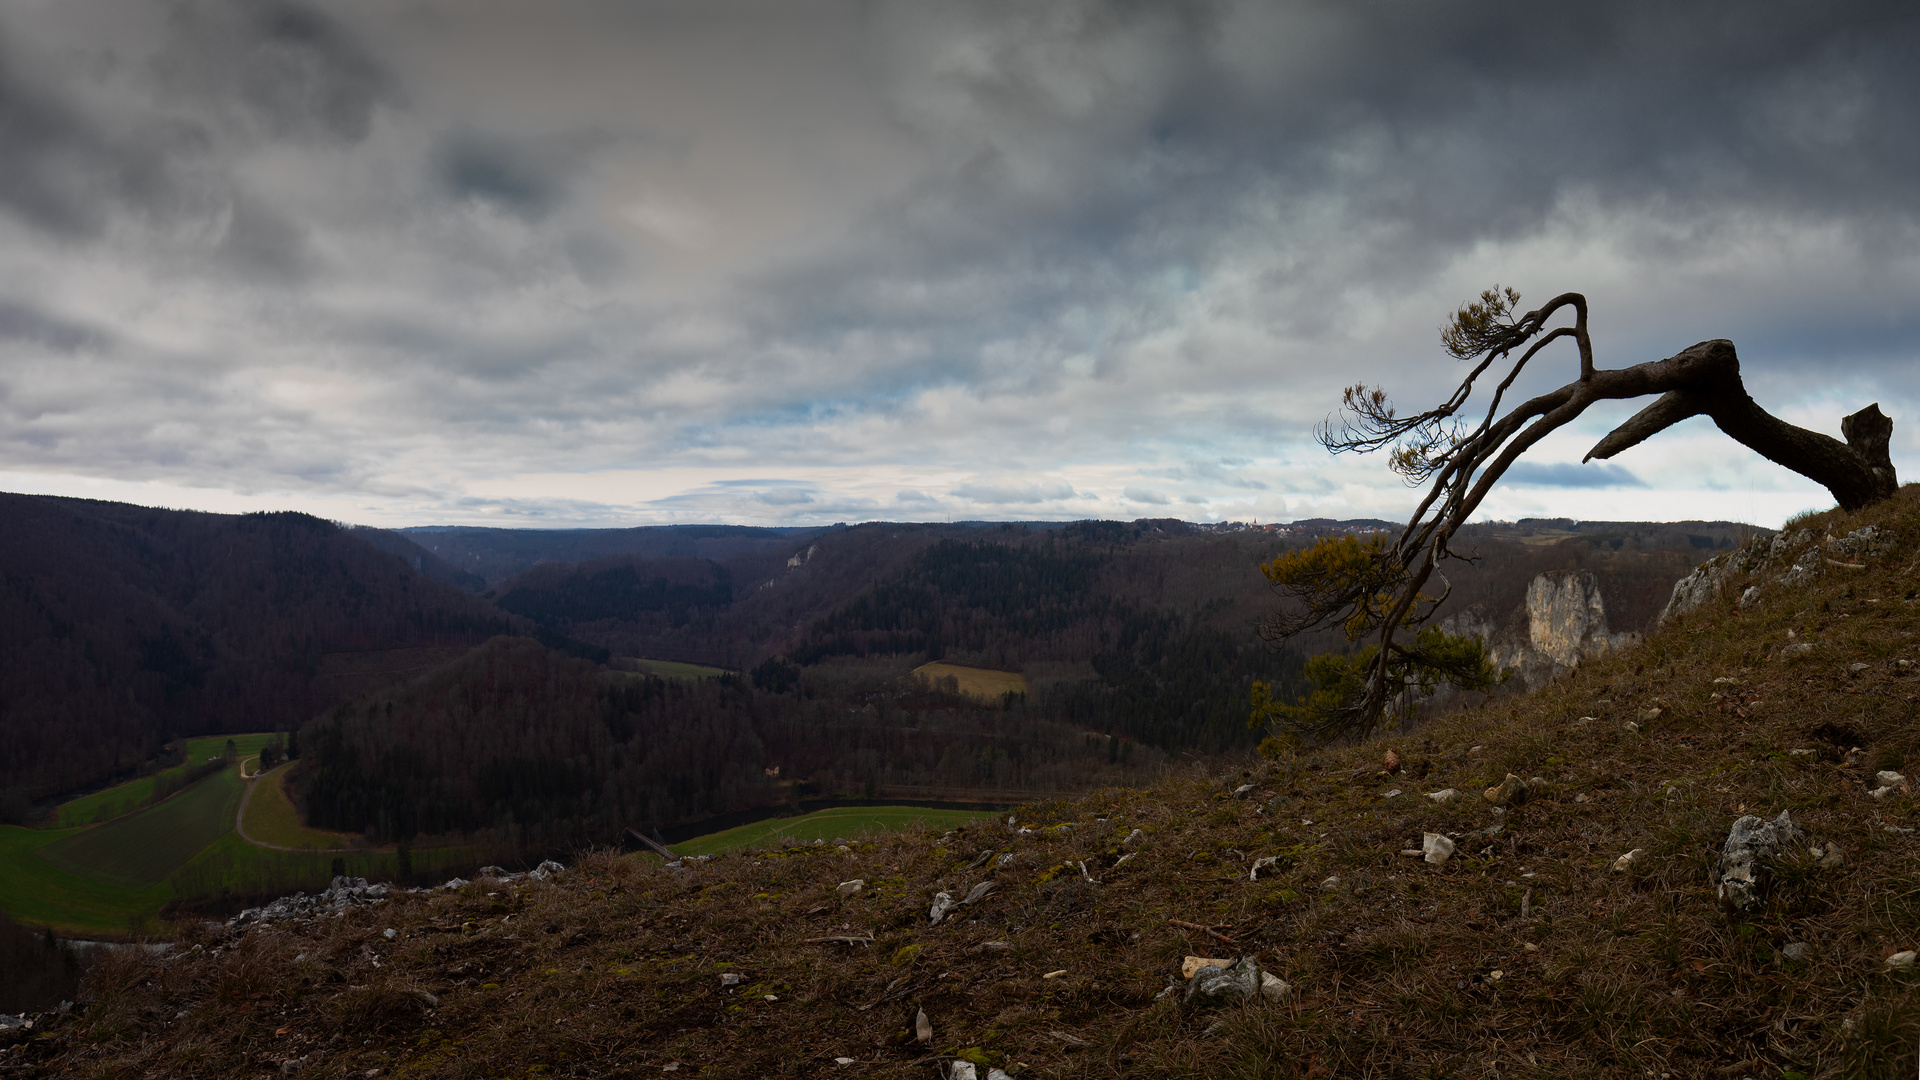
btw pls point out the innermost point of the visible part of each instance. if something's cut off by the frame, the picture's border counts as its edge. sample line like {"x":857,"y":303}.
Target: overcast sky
{"x":565,"y":263}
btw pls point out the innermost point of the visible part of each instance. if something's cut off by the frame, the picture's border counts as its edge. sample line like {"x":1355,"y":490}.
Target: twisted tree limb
{"x":1464,"y":464}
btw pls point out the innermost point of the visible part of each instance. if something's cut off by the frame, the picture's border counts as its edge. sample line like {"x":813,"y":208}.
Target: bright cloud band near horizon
{"x":624,"y":263}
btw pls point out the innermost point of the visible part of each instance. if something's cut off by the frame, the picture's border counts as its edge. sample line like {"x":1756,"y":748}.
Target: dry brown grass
{"x":613,"y":969}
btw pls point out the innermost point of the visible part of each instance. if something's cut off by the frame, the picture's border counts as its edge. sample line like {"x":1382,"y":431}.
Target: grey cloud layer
{"x":1005,"y":258}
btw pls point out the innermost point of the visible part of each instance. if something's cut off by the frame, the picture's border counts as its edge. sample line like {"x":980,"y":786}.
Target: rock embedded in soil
{"x":1443,"y":796}
{"x":1751,"y":844}
{"x":1625,"y":862}
{"x":1212,"y":985}
{"x":1194,"y":963}
{"x":1901,"y":959}
{"x":942,"y":903}
{"x":1509,"y":792}
{"x":848,"y":888}
{"x":1798,"y":951}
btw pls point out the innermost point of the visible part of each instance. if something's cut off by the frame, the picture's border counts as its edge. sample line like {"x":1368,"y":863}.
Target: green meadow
{"x":111,"y":862}
{"x":846,"y":822}
{"x":674,"y":669}
{"x":133,"y":795}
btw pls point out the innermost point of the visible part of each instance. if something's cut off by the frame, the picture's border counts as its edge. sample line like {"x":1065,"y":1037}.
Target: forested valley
{"x":482,"y":683}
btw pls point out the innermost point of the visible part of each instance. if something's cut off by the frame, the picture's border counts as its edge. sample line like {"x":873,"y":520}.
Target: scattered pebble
{"x":1901,"y":959}
{"x":1444,"y":796}
{"x":1394,"y":794}
{"x":1625,"y":862}
{"x":848,"y":888}
{"x":730,"y":979}
{"x":1799,"y":952}
{"x":1435,"y":848}
{"x":1055,"y":974}
{"x":1332,"y":883}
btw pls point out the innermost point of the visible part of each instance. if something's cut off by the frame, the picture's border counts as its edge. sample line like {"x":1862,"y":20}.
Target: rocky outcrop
{"x":1785,"y":559}
{"x":1563,"y":624}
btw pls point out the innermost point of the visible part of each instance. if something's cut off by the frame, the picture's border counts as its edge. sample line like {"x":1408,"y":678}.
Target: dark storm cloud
{"x":60,"y":169}
{"x":1000,"y":257}
{"x":1430,"y":126}
{"x":292,"y":71}
{"x":524,"y":176}
{"x":23,"y":323}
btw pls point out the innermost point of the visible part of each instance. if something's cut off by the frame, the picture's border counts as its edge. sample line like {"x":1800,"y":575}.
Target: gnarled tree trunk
{"x":1464,"y":464}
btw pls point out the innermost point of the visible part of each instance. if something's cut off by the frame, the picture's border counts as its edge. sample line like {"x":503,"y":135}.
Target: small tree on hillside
{"x":1378,"y":592}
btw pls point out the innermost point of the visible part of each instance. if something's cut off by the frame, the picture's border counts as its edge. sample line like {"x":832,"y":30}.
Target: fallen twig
{"x":1185,"y":925}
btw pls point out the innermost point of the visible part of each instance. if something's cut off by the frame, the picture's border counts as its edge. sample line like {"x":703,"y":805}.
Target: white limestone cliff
{"x":1565,"y":626}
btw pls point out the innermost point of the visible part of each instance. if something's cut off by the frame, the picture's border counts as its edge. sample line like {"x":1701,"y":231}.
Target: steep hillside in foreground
{"x":1525,"y":953}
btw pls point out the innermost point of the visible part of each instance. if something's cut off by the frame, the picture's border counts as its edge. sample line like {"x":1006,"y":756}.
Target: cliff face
{"x":1562,"y":625}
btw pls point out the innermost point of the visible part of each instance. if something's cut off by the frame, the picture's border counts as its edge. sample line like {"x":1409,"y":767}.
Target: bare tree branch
{"x":1461,"y":466}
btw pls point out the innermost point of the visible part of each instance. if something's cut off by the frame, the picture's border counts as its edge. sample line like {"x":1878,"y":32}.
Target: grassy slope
{"x":273,"y":819}
{"x":142,"y":849}
{"x":982,"y":683}
{"x":33,"y":890}
{"x":133,"y":795}
{"x":612,"y":970}
{"x":845,"y":821}
{"x":111,"y":878}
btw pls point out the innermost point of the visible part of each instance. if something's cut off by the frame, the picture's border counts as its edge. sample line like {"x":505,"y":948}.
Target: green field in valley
{"x":674,"y":669}
{"x":141,"y":849}
{"x":125,"y":798}
{"x":846,"y":822}
{"x":982,"y":684}
{"x":271,"y":818}
{"x":115,"y":877}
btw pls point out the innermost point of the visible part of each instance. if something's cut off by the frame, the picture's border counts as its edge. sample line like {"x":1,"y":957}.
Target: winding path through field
{"x":240,"y":825}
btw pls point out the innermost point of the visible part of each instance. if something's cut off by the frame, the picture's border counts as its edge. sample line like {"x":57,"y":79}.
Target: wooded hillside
{"x":127,"y":626}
